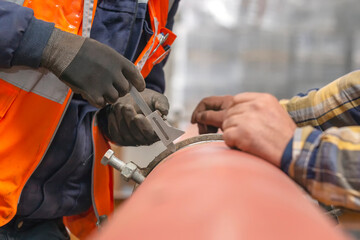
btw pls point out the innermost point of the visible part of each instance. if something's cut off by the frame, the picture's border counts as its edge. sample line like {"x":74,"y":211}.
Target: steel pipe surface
{"x":208,"y":191}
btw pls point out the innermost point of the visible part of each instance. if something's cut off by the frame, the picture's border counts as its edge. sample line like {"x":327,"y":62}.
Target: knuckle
{"x":268,"y":97}
{"x":116,"y":107}
{"x":110,"y":98}
{"x":228,"y":138}
{"x":127,"y":107}
{"x":124,"y":89}
{"x":206,"y":99}
{"x":257,"y":105}
{"x":99,"y":101}
{"x":202,"y":117}
{"x":140,"y":118}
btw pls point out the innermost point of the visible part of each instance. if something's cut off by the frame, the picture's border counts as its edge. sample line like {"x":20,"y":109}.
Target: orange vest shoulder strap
{"x":160,"y":43}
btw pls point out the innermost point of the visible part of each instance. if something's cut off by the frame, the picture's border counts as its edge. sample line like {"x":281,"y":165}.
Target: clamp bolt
{"x":128,"y":170}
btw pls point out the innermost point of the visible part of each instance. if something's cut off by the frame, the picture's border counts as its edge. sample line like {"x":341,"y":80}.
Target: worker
{"x":314,"y":137}
{"x":53,"y":81}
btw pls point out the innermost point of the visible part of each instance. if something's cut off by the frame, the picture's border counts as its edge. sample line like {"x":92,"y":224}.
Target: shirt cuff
{"x":33,"y":43}
{"x":286,"y":157}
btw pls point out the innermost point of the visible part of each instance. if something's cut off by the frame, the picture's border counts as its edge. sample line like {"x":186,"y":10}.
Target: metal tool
{"x":165,"y":132}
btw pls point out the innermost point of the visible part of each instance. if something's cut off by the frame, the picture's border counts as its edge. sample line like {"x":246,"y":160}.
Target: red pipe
{"x":208,"y":191}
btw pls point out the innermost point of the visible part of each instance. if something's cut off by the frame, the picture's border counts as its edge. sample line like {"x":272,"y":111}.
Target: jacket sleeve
{"x":324,"y":154}
{"x":22,"y":36}
{"x":335,"y":105}
{"x":326,"y":164}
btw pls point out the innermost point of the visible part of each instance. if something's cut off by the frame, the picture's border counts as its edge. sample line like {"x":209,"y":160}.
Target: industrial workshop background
{"x":278,"y":46}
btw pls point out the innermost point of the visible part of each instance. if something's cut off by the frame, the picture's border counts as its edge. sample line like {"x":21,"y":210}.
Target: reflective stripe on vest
{"x":41,"y":82}
{"x":88,"y":16}
{"x":18,"y":2}
{"x":157,"y":48}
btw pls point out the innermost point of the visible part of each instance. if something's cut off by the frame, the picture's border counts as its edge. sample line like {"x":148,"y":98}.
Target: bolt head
{"x":107,"y":156}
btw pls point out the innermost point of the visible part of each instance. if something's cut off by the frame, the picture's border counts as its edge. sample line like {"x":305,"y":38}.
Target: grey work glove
{"x":97,"y":72}
{"x":124,"y":124}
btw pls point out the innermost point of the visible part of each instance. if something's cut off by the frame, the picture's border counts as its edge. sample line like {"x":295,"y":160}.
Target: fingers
{"x":130,"y":128}
{"x":234,"y":114}
{"x":133,"y":75}
{"x":212,"y":118}
{"x":121,"y":85}
{"x":203,"y":129}
{"x":104,"y":73}
{"x":210,"y":112}
{"x":111,"y":96}
{"x":128,"y":113}
{"x":199,"y":108}
{"x":124,"y":115}
{"x":209,"y":103}
{"x":133,"y":126}
{"x":113,"y":129}
{"x":161,"y":104}
{"x":139,"y":126}
{"x":209,"y":121}
{"x":146,"y":129}
{"x":98,"y":102}
{"x":230,"y":136}
{"x":241,"y":138}
{"x":156,"y":101}
{"x":214,"y":103}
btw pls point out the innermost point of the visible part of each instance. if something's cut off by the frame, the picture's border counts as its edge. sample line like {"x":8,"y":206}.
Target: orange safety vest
{"x":33,"y":102}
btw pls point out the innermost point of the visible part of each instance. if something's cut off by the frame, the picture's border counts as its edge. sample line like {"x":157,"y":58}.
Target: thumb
{"x":161,"y":103}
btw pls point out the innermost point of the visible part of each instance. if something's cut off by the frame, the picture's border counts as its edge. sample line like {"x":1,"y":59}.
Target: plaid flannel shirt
{"x":324,"y":154}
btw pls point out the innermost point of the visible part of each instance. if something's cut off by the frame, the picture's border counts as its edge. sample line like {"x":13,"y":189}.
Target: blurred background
{"x":278,"y":46}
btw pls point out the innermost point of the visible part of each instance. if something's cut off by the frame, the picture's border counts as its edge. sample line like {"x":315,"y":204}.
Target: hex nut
{"x":128,"y":170}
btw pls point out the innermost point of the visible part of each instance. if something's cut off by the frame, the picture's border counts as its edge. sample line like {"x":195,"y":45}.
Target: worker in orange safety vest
{"x":65,"y":73}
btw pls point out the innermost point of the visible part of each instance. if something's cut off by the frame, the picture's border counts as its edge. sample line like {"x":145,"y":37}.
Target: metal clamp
{"x":128,"y":170}
{"x":204,"y":138}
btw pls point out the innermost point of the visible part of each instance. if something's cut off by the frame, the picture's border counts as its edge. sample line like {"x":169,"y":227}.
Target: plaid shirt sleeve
{"x":324,"y":154}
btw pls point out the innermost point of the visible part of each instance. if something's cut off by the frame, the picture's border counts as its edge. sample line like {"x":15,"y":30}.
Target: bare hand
{"x":256,"y":123}
{"x":209,"y":113}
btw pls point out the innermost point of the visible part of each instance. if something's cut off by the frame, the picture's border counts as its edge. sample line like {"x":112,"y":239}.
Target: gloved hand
{"x":97,"y":72}
{"x":124,"y":124}
{"x":209,"y":113}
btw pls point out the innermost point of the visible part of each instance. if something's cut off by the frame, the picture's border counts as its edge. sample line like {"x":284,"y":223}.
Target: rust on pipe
{"x":208,"y":191}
